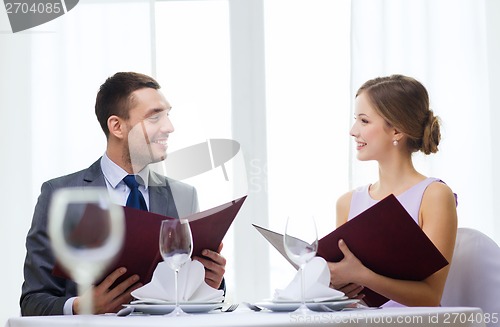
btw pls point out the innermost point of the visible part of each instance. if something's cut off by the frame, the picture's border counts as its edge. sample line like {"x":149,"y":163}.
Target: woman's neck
{"x":395,"y":177}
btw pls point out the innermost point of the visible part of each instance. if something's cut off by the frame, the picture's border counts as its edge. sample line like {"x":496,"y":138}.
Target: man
{"x":133,"y":114}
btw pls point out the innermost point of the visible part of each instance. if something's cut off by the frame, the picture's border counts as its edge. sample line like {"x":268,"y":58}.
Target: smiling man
{"x":133,"y":114}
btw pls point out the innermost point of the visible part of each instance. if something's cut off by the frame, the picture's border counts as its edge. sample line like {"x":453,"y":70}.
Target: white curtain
{"x":452,"y":47}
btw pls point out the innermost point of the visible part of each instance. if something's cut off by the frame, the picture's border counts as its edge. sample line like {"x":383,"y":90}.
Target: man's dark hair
{"x":114,"y":96}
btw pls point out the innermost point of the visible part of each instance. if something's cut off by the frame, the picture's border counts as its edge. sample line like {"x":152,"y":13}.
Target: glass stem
{"x":176,"y":288}
{"x":86,"y":298}
{"x":303,"y":284}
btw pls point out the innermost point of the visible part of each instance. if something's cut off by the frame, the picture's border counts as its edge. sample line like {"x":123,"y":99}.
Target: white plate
{"x":315,"y":306}
{"x":320,"y":299}
{"x":161,"y":309}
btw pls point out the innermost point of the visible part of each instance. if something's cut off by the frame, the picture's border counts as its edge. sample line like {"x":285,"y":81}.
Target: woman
{"x":393,"y":120}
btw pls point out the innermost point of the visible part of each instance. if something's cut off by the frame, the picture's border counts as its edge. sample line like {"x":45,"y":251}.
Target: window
{"x":209,"y":55}
{"x":308,"y":112}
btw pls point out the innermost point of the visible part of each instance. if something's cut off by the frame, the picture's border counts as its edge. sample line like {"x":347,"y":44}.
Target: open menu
{"x":140,"y":251}
{"x":385,"y":238}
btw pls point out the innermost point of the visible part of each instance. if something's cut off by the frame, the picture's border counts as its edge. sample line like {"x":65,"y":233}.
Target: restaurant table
{"x":411,"y":316}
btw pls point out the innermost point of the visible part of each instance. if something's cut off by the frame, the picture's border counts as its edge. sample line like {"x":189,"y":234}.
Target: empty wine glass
{"x":176,"y":247}
{"x":301,"y":244}
{"x":86,"y":232}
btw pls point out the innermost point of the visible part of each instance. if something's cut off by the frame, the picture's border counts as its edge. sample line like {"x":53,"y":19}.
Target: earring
{"x":395,"y":142}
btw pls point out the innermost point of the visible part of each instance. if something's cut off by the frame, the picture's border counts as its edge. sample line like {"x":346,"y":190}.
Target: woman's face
{"x":372,"y":134}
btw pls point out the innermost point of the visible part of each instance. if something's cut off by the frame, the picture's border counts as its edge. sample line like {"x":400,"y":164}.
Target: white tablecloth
{"x":418,"y":316}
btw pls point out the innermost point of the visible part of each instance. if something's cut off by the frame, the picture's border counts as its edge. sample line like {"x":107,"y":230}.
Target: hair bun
{"x":432,"y":134}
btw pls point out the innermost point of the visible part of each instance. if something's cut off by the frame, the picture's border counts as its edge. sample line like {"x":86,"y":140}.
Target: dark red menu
{"x":140,"y":252}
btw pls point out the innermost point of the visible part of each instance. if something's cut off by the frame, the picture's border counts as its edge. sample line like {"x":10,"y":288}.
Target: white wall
{"x":47,"y":109}
{"x":16,"y":161}
{"x":493,"y":28}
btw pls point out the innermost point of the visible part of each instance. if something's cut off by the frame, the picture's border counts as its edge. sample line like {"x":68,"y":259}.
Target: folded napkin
{"x":317,"y":281}
{"x":192,"y":286}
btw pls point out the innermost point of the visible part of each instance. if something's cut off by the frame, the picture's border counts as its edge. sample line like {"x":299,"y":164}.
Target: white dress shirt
{"x":118,"y":190}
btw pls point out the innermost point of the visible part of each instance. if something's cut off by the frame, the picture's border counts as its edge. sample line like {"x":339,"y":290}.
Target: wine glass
{"x":176,"y":247}
{"x":301,"y":244}
{"x":86,"y":232}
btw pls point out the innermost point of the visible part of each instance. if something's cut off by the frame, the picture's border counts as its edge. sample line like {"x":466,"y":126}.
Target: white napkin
{"x":192,"y":286}
{"x":317,"y":278}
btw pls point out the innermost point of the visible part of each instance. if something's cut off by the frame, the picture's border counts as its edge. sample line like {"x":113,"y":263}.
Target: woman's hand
{"x":346,"y":275}
{"x":352,"y":291}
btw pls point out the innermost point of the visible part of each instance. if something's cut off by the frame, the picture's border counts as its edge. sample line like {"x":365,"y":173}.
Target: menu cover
{"x":385,"y":238}
{"x":140,"y":251}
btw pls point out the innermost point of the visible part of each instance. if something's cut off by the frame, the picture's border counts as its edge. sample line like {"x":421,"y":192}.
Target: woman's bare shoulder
{"x":437,"y":192}
{"x":343,"y":206}
{"x":439,"y":202}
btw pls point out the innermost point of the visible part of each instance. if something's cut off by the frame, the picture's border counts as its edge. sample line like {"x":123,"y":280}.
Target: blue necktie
{"x":135,"y":198}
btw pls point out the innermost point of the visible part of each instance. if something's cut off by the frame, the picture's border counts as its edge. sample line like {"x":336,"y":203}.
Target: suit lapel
{"x":93,"y":175}
{"x":160,"y":197}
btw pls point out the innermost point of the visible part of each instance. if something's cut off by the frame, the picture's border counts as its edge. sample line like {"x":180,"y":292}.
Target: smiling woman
{"x":386,"y":109}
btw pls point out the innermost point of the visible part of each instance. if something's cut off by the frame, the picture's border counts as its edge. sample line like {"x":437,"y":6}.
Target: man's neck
{"x":123,"y":161}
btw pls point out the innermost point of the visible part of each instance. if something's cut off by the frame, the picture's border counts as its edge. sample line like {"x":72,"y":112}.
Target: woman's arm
{"x":438,"y":219}
{"x":351,"y":290}
{"x":342,"y":207}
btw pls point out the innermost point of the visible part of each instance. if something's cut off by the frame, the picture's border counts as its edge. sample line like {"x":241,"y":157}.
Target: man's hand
{"x":215,"y":266}
{"x":106,"y":300}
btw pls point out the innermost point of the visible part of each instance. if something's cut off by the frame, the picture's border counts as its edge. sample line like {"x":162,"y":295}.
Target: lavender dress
{"x":410,"y":199}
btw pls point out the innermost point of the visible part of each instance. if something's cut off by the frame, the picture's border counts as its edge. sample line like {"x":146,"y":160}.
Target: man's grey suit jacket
{"x":45,"y":294}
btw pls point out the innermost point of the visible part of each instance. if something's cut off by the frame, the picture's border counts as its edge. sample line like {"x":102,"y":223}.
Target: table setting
{"x":309,"y":290}
{"x":318,"y":295}
{"x":178,"y":287}
{"x":195,"y":296}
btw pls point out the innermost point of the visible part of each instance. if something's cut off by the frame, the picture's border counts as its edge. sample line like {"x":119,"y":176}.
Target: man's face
{"x":148,"y":127}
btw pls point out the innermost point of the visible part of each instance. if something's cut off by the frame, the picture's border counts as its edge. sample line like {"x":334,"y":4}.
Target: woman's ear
{"x":397,"y":135}
{"x":116,"y":127}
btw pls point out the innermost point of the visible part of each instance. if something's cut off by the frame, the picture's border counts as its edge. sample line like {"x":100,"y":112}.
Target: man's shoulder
{"x":77,"y":178}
